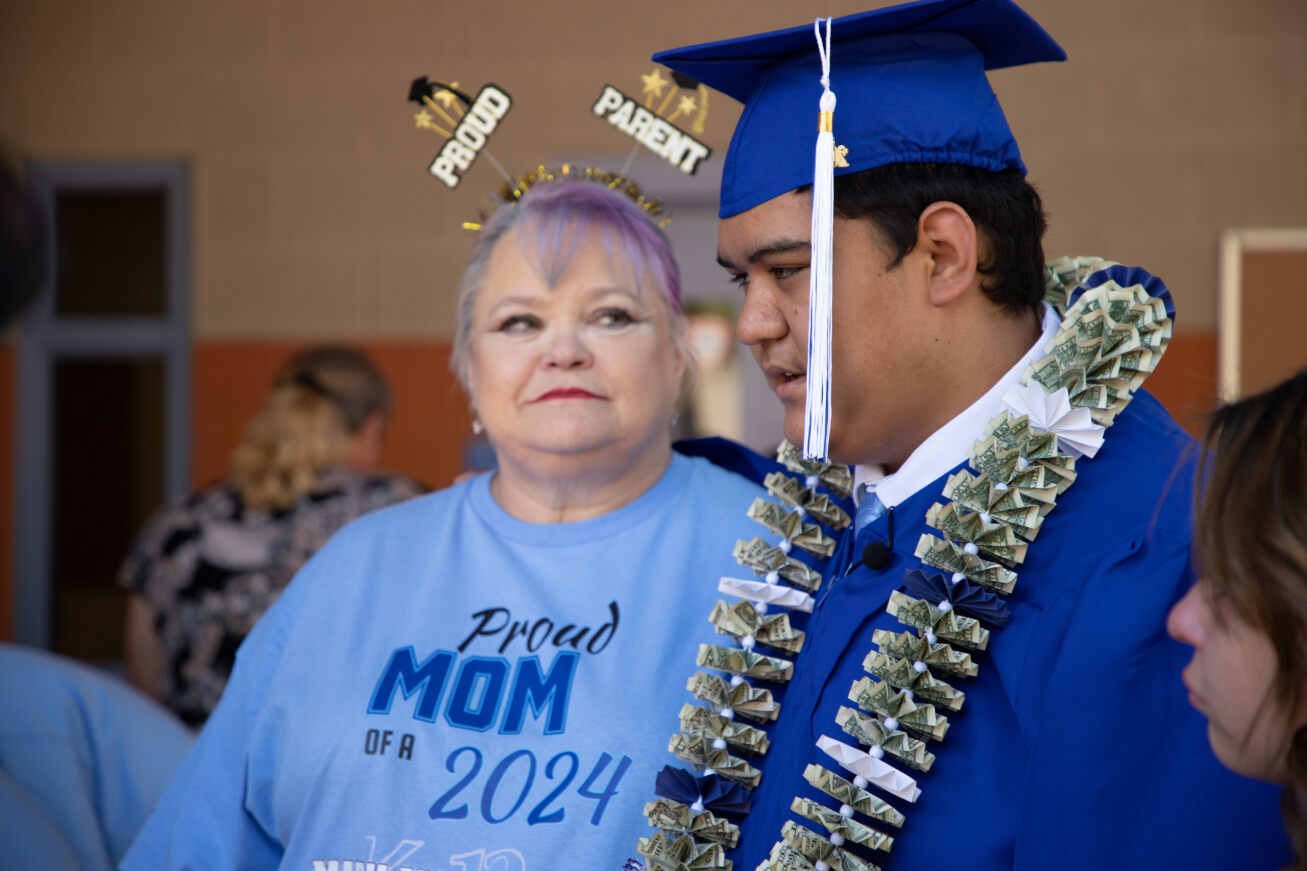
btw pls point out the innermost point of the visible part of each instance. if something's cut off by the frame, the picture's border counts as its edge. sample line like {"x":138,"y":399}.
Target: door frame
{"x":1230,"y":303}
{"x":44,"y":338}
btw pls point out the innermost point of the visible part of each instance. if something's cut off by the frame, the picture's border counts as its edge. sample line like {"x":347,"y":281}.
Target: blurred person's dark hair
{"x":23,"y":234}
{"x":1006,"y":208}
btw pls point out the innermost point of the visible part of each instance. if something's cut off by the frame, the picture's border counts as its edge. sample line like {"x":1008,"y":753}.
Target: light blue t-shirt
{"x":83,"y":759}
{"x":447,"y":687}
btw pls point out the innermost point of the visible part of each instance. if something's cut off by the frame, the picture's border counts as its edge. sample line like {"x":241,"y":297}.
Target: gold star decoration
{"x":685,"y":106}
{"x":654,"y":84}
{"x":447,"y":98}
{"x":424,"y":121}
{"x":444,"y":116}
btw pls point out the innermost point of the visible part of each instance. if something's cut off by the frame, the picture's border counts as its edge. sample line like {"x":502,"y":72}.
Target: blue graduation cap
{"x":910,"y":81}
{"x":915,"y":76}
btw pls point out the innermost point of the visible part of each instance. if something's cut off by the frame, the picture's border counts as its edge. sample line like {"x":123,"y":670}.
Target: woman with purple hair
{"x":479,"y":679}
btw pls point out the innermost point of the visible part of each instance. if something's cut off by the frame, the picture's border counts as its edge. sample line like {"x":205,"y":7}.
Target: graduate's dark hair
{"x":1250,"y":538}
{"x":1006,"y":209}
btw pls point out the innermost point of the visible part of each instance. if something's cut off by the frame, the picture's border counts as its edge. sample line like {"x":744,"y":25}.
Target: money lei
{"x":1111,"y":339}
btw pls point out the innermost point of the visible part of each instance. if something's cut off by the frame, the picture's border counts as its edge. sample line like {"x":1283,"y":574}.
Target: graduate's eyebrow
{"x":780,"y":246}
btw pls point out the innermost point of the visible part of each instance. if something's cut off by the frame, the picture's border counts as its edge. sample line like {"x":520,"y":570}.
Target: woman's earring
{"x":477,"y":426}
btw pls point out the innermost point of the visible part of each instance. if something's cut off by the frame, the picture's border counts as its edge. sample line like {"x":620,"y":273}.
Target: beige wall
{"x":1173,"y":120}
{"x":313,"y":214}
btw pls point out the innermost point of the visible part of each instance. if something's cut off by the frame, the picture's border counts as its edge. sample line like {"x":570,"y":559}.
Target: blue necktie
{"x":870,"y":509}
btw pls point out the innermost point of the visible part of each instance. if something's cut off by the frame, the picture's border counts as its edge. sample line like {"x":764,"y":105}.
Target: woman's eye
{"x":518,"y":324}
{"x":739,"y":279}
{"x":1216,"y":594}
{"x":613,"y":317}
{"x":1209,"y":586}
{"x":780,"y":273}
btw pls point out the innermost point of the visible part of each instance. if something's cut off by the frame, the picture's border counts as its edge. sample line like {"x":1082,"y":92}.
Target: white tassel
{"x":816,"y":426}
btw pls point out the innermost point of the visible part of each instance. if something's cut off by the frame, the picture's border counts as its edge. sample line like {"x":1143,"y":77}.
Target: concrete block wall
{"x":313,"y":217}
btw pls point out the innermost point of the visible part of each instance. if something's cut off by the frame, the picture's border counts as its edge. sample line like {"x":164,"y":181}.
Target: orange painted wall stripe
{"x":1186,"y":380}
{"x":431,"y":420}
{"x":427,"y":429}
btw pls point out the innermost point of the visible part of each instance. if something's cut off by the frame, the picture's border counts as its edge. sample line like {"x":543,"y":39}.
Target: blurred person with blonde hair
{"x":205,"y":569}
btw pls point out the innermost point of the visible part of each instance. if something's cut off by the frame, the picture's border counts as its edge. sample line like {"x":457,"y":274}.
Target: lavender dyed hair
{"x":562,"y":216}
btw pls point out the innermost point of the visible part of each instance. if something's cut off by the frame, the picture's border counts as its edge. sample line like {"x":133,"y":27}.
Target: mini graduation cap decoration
{"x":469,"y":128}
{"x":913,"y":88}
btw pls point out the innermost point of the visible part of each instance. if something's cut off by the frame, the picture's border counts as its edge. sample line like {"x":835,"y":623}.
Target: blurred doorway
{"x":1262,"y":308}
{"x":103,"y":395}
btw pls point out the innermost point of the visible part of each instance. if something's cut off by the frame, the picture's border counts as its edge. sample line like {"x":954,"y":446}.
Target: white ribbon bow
{"x":1077,"y":434}
{"x":768,"y":594}
{"x":875,"y":771}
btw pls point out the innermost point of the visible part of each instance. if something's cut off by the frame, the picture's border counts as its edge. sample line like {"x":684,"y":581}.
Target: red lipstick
{"x":566,"y":393}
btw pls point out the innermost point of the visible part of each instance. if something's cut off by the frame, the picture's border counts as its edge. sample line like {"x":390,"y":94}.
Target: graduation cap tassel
{"x":817,"y":411}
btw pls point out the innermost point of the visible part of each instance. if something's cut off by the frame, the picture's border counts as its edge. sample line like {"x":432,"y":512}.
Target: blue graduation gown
{"x":1076,"y":747}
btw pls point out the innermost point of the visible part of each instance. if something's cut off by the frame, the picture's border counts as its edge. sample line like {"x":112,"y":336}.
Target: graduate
{"x":986,"y":681}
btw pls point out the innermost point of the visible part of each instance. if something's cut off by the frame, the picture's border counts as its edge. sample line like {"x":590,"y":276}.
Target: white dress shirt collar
{"x":948,"y":445}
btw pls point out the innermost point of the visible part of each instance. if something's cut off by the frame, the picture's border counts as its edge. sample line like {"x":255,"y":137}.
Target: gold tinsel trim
{"x":514,"y":191}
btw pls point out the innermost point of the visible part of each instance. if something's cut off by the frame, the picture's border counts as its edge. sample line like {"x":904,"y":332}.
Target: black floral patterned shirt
{"x":209,"y":567}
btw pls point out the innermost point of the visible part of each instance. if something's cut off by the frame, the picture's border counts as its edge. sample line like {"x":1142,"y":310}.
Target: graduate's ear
{"x":947,"y":235}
